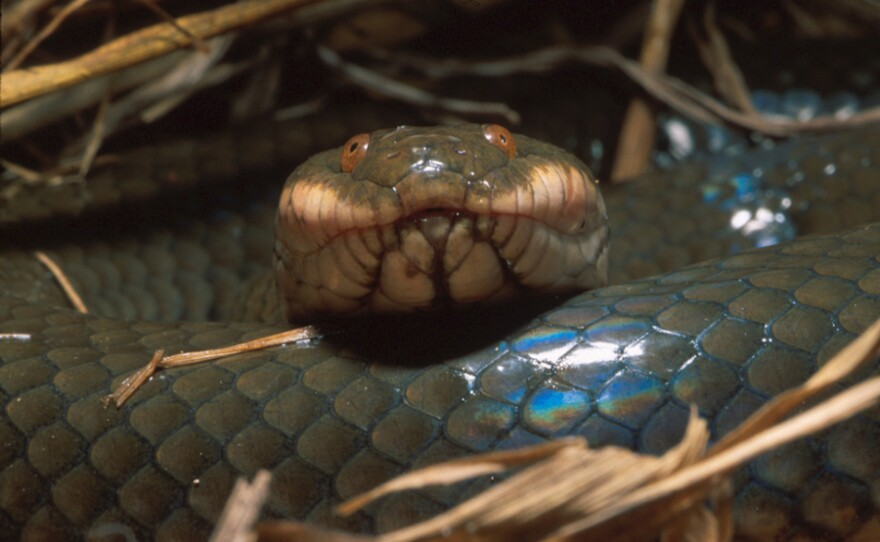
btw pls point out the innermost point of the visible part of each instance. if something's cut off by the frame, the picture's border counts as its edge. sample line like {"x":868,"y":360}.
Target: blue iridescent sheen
{"x":508,"y":379}
{"x":550,"y":411}
{"x":617,"y":330}
{"x":547,"y":343}
{"x":630,"y":397}
{"x":589,"y":365}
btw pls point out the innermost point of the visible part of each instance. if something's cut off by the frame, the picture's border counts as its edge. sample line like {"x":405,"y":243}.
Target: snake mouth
{"x":440,"y":240}
{"x":433,"y":212}
{"x":442,"y":258}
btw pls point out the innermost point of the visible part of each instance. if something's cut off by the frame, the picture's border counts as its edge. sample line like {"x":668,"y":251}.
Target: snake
{"x":680,"y":322}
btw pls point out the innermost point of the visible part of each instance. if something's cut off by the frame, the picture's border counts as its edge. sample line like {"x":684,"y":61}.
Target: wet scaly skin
{"x":421,"y":219}
{"x":617,"y":365}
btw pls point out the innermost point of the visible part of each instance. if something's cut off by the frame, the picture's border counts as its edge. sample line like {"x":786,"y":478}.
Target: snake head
{"x":417,"y":219}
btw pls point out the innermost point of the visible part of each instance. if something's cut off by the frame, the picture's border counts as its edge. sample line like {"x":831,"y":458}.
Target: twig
{"x":99,"y":128}
{"x":190,"y":76}
{"x":17,"y":15}
{"x":43,"y":34}
{"x":717,"y":58}
{"x":198,"y":42}
{"x":840,"y":407}
{"x":137,"y":47}
{"x":570,"y":492}
{"x":456,"y":470}
{"x":627,"y":28}
{"x":159,"y":360}
{"x":682,"y":97}
{"x":22,"y":172}
{"x":236,"y":523}
{"x":391,"y":88}
{"x":134,"y":381}
{"x":38,"y":112}
{"x":62,"y":279}
{"x":863,"y":10}
{"x":637,"y":133}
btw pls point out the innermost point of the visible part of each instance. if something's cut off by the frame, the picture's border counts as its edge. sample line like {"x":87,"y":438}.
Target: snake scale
{"x":331,"y":418}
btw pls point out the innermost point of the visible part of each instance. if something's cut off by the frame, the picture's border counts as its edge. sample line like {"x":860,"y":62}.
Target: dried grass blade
{"x":568,"y":485}
{"x":451,"y":472}
{"x":137,"y":47}
{"x":637,"y":133}
{"x":133,"y":382}
{"x":861,"y":350}
{"x":63,"y":281}
{"x":47,"y":31}
{"x":291,"y":531}
{"x":691,"y":483}
{"x":159,"y":361}
{"x":242,"y":509}
{"x":570,"y":496}
{"x":717,"y":58}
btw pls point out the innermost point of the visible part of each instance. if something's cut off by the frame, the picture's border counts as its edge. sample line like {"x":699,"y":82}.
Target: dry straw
{"x":567,"y":491}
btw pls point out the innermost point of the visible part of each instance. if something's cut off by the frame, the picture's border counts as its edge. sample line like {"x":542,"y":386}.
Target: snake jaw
{"x":428,"y":237}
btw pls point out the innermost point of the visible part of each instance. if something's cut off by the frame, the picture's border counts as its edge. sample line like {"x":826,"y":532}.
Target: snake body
{"x":332,"y":418}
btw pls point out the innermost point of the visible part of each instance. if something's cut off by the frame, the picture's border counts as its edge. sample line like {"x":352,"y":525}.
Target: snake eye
{"x":353,"y":151}
{"x":500,"y":137}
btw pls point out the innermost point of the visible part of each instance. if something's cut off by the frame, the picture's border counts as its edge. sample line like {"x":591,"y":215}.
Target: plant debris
{"x":159,"y":360}
{"x":63,"y":281}
{"x":567,"y":491}
{"x":636,"y":139}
